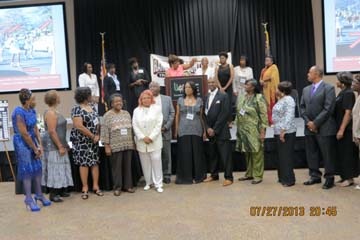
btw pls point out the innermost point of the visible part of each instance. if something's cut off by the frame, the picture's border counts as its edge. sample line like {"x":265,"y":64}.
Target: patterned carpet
{"x":202,"y":211}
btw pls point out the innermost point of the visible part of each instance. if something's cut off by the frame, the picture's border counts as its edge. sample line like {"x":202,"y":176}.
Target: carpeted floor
{"x":202,"y":211}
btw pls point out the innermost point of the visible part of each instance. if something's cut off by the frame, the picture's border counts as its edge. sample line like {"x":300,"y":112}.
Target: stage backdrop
{"x":197,"y":27}
{"x":159,"y":65}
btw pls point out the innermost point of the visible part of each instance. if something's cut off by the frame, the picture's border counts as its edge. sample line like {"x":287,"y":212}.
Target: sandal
{"x":84,"y":195}
{"x":98,"y":192}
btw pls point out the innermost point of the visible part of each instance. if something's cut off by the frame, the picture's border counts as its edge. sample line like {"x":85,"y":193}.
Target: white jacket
{"x":147,"y":122}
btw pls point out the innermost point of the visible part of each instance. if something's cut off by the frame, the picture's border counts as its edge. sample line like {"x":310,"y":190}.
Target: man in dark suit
{"x":217,"y":130}
{"x":111,"y":84}
{"x":168,"y":118}
{"x":317,"y":108}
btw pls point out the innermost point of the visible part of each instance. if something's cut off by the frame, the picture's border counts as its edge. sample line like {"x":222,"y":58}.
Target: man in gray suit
{"x":317,"y":108}
{"x":168,"y":114}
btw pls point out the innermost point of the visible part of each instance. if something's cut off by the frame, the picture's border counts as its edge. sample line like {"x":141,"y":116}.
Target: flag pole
{"x":103,"y":67}
{"x":267,"y":39}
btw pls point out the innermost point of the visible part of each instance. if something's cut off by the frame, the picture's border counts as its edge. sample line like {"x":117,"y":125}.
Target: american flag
{"x":103,"y":68}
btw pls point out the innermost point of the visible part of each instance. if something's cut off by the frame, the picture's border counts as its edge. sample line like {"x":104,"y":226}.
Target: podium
{"x":175,"y":86}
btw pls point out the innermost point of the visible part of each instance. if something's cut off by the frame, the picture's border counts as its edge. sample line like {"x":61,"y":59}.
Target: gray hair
{"x":113,"y":96}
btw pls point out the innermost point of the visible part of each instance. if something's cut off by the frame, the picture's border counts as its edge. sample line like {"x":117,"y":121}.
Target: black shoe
{"x":329,"y":183}
{"x":288,"y":184}
{"x":64,"y":194}
{"x":312,"y":181}
{"x":256,"y":181}
{"x":55,"y":198}
{"x":167,"y":180}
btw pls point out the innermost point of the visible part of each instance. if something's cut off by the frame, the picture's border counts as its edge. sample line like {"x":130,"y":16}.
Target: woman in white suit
{"x":88,"y":79}
{"x":147,"y":122}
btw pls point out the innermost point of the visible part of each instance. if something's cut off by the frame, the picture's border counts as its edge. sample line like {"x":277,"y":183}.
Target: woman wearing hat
{"x":347,"y":152}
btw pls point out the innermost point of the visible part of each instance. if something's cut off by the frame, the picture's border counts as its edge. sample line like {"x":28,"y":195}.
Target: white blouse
{"x":240,"y":77}
{"x":210,"y":72}
{"x":283,"y":115}
{"x":86,"y":81}
{"x":147,"y":122}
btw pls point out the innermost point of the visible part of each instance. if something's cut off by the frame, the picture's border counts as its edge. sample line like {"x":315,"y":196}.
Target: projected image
{"x":347,"y":27}
{"x":33,"y":48}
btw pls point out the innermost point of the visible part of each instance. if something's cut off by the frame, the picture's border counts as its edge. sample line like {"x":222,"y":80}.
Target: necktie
{"x":312,"y":90}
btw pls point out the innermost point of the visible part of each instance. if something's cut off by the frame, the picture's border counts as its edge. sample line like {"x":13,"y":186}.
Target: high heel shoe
{"x":30,"y":204}
{"x":45,"y":202}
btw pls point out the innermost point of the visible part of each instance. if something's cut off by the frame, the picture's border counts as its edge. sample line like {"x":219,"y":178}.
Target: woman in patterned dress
{"x":251,"y":121}
{"x":85,"y":136}
{"x":56,"y":164}
{"x":28,"y":149}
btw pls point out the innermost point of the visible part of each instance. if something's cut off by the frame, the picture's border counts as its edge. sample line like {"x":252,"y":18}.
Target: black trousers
{"x":190,"y":160}
{"x":220,"y":150}
{"x":285,"y":156}
{"x":320,"y":148}
{"x":347,"y":161}
{"x":121,"y":169}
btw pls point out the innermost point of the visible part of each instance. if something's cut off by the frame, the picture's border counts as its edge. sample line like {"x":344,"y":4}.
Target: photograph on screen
{"x":33,"y":48}
{"x":342,"y":35}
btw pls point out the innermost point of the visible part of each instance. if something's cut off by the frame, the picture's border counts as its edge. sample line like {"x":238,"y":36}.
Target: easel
{"x":9,"y":161}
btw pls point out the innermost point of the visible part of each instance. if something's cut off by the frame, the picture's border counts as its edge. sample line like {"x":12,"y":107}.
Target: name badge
{"x":242,"y":112}
{"x":123,"y":132}
{"x":190,"y":116}
{"x":96,"y":121}
{"x":141,"y":71}
{"x":242,"y":80}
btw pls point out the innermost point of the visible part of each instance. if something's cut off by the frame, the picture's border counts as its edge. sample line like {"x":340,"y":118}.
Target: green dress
{"x":251,"y":117}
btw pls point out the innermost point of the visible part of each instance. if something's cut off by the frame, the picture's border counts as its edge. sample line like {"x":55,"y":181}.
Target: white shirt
{"x":240,"y":76}
{"x":116,"y":81}
{"x":210,"y":72}
{"x":86,"y":81}
{"x":316,"y":85}
{"x":211,"y":99}
{"x":158,"y":101}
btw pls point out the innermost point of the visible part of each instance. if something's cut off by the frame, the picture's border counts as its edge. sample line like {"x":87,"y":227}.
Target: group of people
{"x":199,"y":125}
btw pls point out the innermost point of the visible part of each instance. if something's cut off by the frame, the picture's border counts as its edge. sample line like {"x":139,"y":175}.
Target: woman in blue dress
{"x":27,"y":145}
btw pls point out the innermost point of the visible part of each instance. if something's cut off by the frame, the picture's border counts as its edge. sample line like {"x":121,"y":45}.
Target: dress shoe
{"x":288,"y":184}
{"x":117,"y":193}
{"x":147,"y":187}
{"x":211,"y":178}
{"x":55,"y":198}
{"x":329,"y":183}
{"x":245,"y":178}
{"x":347,"y":183}
{"x":159,"y":189}
{"x":312,"y":181}
{"x":167,"y":180}
{"x":227,"y":182}
{"x":256,"y":181}
{"x":130,"y":190}
{"x":64,"y":194}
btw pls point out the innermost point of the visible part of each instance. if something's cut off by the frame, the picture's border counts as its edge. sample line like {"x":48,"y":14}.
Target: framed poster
{"x":4,"y":120}
{"x":175,"y":86}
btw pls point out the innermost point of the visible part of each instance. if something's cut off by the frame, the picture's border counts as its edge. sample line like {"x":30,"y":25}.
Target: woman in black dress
{"x":139,"y":80}
{"x":85,"y":136}
{"x":225,"y":75}
{"x":347,"y":152}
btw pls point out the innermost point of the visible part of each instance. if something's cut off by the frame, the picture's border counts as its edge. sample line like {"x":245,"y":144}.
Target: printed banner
{"x":159,"y":64}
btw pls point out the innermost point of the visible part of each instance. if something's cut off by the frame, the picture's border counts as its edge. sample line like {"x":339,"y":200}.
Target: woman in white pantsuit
{"x":147,"y":122}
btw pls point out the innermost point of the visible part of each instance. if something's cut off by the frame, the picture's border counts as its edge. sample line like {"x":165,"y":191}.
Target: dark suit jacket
{"x":109,"y":88}
{"x":217,"y":116}
{"x":319,"y":108}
